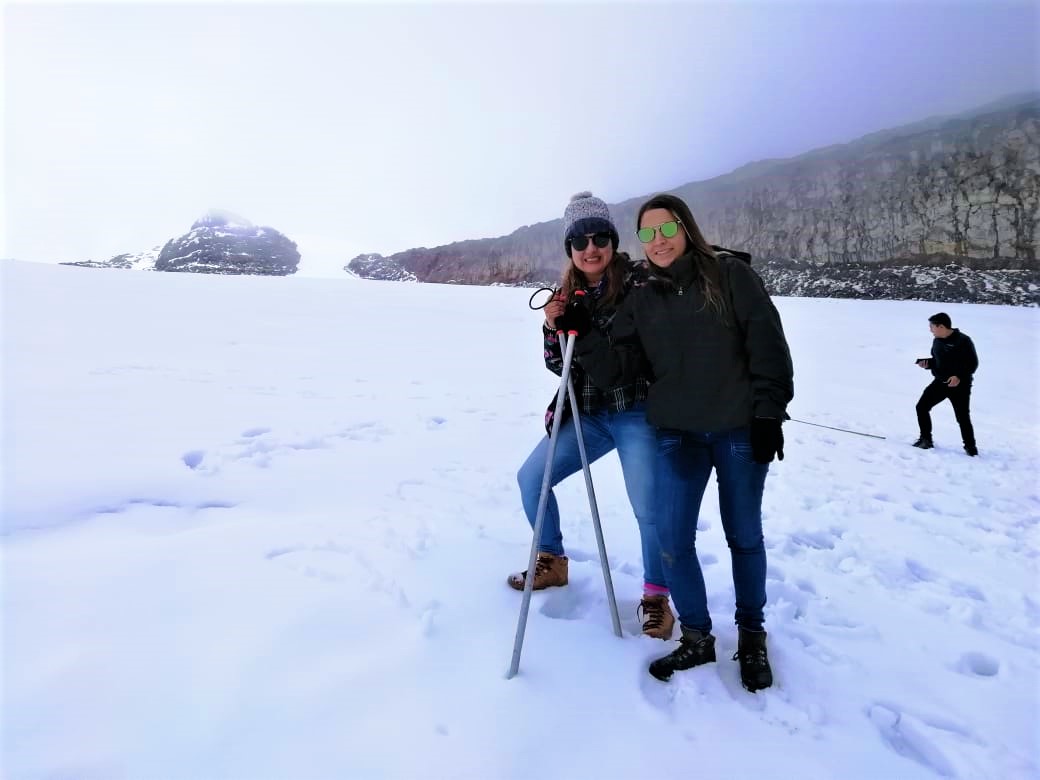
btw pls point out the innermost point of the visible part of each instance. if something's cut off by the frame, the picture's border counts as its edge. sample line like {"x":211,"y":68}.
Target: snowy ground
{"x":260,"y":528}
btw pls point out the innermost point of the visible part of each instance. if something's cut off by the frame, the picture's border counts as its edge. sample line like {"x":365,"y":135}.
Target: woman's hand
{"x":553,"y":309}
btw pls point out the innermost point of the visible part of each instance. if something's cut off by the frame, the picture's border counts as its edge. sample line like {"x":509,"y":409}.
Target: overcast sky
{"x":373,"y":128}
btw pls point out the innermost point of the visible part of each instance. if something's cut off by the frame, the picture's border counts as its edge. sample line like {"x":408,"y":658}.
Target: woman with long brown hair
{"x":705,"y":328}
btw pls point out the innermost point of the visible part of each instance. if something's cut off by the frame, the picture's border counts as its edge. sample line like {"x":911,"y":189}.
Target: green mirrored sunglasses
{"x":668,"y":230}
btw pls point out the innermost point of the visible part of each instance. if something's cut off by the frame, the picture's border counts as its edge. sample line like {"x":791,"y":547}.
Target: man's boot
{"x":971,"y":449}
{"x":755,"y":673}
{"x":695,"y":648}
{"x":924,"y":442}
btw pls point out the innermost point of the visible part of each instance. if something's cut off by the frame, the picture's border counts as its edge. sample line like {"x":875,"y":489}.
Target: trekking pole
{"x":843,"y":430}
{"x":593,"y":506}
{"x":543,"y":499}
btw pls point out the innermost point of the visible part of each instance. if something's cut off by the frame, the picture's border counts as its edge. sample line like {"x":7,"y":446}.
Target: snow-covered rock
{"x":375,"y":266}
{"x":220,"y":242}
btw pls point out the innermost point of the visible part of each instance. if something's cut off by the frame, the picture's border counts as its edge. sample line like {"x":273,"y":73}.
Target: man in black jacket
{"x":953,"y":363}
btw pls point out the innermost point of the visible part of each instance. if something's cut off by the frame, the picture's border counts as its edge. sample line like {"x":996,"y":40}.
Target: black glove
{"x":577,"y":317}
{"x":767,"y":439}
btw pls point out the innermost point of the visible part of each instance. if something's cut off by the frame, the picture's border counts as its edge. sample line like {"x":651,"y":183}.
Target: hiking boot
{"x":549,"y":570}
{"x":755,"y":673}
{"x":971,"y":449}
{"x":695,"y":648}
{"x":924,"y":443}
{"x":658,"y":619}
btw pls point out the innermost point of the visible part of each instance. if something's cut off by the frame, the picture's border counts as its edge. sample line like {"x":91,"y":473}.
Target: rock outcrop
{"x":376,"y":266}
{"x":219,"y":242}
{"x":223,"y":243}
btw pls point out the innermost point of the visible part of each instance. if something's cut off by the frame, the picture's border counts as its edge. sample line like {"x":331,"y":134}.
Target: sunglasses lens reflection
{"x":669,"y":229}
{"x":646,"y":235}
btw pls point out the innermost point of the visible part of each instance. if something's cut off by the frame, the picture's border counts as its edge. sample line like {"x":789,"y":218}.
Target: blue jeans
{"x":684,"y":463}
{"x":636,"y":443}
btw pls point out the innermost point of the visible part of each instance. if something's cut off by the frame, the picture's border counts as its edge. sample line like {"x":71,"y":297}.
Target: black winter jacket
{"x":710,"y":373}
{"x":954,"y":356}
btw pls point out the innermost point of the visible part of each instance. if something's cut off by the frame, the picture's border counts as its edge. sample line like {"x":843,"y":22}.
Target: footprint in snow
{"x":914,"y":737}
{"x":571,"y":603}
{"x":967,"y":591}
{"x":193,"y":459}
{"x":811,"y":647}
{"x":919,"y":572}
{"x":977,"y":665}
{"x":814,"y":540}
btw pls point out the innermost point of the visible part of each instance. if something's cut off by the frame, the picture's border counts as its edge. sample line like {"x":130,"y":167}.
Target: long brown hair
{"x":573,"y":279}
{"x":705,"y":262}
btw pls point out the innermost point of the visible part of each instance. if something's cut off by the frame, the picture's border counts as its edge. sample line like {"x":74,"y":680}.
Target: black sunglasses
{"x":581,"y":242}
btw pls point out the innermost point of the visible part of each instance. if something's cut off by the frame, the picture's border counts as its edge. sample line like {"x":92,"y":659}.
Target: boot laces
{"x":753,"y":658}
{"x":689,"y":647}
{"x":652,"y":613}
{"x":542,"y":566}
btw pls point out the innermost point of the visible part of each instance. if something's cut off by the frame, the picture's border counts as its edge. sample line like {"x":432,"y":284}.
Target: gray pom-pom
{"x":581,"y":196}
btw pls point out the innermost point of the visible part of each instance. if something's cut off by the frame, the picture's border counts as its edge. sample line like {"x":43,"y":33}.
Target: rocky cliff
{"x":966,"y":190}
{"x":961,"y":190}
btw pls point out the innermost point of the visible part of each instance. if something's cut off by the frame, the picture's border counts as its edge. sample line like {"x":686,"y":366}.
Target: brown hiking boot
{"x":549,"y":571}
{"x":658,"y":619}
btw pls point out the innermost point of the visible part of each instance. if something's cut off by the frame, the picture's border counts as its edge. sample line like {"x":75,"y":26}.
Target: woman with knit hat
{"x":611,"y":417}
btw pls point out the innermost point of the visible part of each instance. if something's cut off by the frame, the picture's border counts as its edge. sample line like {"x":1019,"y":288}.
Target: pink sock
{"x":654,"y":590}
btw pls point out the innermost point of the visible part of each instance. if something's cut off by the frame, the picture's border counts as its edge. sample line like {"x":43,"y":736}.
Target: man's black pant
{"x":960,"y":396}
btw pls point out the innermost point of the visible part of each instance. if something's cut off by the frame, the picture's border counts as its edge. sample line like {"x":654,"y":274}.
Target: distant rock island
{"x":379,"y":267}
{"x":952,"y":201}
{"x":219,"y":242}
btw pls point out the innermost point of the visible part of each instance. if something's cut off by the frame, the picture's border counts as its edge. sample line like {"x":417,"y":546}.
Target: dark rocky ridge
{"x":961,"y":191}
{"x":893,"y":282}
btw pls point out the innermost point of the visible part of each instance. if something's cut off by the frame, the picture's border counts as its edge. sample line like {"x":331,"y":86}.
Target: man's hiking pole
{"x":843,"y":430}
{"x":566,"y":387}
